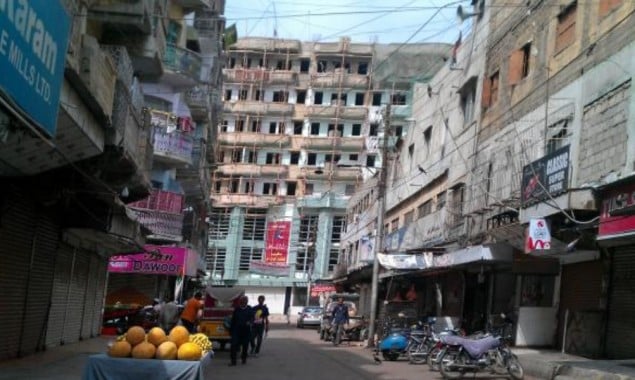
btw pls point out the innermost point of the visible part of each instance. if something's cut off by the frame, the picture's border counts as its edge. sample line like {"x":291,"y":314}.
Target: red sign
{"x":277,"y":243}
{"x":614,"y":201}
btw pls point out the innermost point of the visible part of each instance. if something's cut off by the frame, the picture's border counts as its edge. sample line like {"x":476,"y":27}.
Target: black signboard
{"x":548,"y":175}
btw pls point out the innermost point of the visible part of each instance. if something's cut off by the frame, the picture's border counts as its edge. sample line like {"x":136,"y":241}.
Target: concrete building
{"x":301,"y":127}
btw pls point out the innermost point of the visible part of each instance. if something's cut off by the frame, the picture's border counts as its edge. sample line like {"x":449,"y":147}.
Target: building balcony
{"x":344,"y":45}
{"x":160,"y":200}
{"x":259,"y":76}
{"x":94,"y":78}
{"x":338,"y":79}
{"x":268,"y":44}
{"x":172,"y":147}
{"x":253,"y":200}
{"x":255,"y":170}
{"x":182,"y":67}
{"x":335,"y":111}
{"x":253,"y":139}
{"x":401,"y":111}
{"x":194,"y":4}
{"x":333,"y":172}
{"x":258,"y":108}
{"x":195,"y":179}
{"x":351,"y":144}
{"x":327,"y":200}
{"x":162,"y":225}
{"x":197,"y":100}
{"x":129,"y":16}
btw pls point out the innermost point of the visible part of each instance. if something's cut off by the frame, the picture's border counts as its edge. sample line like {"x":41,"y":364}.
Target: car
{"x":309,"y":316}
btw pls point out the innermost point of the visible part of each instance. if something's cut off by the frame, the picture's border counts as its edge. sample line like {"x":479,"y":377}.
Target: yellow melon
{"x":156,"y":336}
{"x":120,"y":349}
{"x":179,"y":335}
{"x":189,"y":351}
{"x":166,"y":351}
{"x":144,"y":350}
{"x":135,"y":335}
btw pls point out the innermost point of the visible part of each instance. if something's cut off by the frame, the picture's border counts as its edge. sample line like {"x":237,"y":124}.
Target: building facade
{"x":300,"y":129}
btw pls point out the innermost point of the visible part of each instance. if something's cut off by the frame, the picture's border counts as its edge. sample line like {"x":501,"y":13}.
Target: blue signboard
{"x":33,"y":41}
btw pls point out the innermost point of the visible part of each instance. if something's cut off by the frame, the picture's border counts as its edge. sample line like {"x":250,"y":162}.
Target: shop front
{"x":617,"y":236}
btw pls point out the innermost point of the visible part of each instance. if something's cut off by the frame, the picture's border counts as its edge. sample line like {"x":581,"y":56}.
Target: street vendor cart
{"x":219,"y":306}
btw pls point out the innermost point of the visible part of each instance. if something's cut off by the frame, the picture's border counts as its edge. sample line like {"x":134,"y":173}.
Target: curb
{"x":540,"y":368}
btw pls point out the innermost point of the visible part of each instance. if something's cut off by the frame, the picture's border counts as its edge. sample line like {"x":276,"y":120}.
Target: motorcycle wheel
{"x":432,"y":358}
{"x":418,"y":354}
{"x":390,"y":356}
{"x":514,"y":368}
{"x":447,"y":371}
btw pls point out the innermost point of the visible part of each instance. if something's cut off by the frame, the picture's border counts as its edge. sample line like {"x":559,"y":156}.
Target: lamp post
{"x":379,"y":238}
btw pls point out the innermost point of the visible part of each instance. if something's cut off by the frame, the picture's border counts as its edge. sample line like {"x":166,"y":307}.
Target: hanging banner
{"x":366,"y":248}
{"x":548,"y":176}
{"x":277,"y":242}
{"x":405,"y":261}
{"x":269,"y":269}
{"x":538,"y":236}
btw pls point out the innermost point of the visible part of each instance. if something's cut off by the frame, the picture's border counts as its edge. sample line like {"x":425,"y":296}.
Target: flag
{"x":455,"y":48}
{"x":178,"y":288}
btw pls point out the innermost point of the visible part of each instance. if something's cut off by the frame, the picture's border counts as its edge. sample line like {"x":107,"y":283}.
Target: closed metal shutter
{"x":88,"y":318}
{"x":16,"y":231}
{"x":581,"y":294}
{"x":620,"y":340}
{"x":100,"y":293}
{"x":76,"y":299}
{"x":59,"y":298}
{"x":40,"y":282}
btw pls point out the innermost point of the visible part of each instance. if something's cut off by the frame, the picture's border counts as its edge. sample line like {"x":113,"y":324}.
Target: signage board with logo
{"x":615,"y":217}
{"x":546,"y":176}
{"x":33,"y":41}
{"x":172,"y":261}
{"x":277,"y":242}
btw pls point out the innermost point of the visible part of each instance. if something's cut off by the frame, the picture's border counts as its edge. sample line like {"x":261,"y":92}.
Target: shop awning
{"x":501,"y":253}
{"x":172,"y":261}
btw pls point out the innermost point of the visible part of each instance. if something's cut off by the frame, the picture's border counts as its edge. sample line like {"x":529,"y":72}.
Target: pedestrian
{"x":169,"y":316}
{"x":240,"y":330}
{"x":189,"y":317}
{"x":339,"y":316}
{"x":260,"y":325}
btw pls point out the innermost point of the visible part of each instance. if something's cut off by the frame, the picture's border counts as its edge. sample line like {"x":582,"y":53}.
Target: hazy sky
{"x":364,"y":21}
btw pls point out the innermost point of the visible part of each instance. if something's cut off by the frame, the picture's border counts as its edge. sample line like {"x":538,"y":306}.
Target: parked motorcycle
{"x":357,"y":330}
{"x":488,"y":353}
{"x":401,"y":341}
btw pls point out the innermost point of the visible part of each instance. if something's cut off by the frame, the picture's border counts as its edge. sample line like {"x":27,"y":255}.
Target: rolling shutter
{"x":620,"y":340}
{"x":76,"y":299}
{"x":59,"y":298}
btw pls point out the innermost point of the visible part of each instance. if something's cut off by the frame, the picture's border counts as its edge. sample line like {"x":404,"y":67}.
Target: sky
{"x":386,"y":21}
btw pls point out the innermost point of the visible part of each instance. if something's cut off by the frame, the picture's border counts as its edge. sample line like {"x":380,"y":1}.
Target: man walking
{"x":339,"y":318}
{"x":189,"y":317}
{"x":240,"y":330}
{"x":260,"y":325}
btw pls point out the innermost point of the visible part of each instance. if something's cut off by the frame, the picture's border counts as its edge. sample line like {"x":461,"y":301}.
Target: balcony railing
{"x":339,"y":78}
{"x":163,"y":225}
{"x":255,"y":170}
{"x":246,"y":199}
{"x":322,"y":201}
{"x":355,"y":144}
{"x":259,"y":76}
{"x":336,"y":111}
{"x":183,"y":61}
{"x":160,"y":200}
{"x":268,"y":44}
{"x":253,"y":138}
{"x":333,"y":172}
{"x":258,"y":108}
{"x":197,"y":100}
{"x":174,"y":146}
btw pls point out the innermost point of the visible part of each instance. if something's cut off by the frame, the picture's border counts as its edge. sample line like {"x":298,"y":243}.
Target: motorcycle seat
{"x":474,"y":347}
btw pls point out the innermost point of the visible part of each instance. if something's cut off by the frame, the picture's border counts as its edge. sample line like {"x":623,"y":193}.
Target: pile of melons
{"x":177,"y":345}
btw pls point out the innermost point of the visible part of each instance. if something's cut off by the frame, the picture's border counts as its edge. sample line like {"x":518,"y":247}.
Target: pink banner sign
{"x":277,"y":243}
{"x":172,"y":261}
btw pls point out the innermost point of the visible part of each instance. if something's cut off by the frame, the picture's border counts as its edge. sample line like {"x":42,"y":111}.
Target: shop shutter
{"x":581,"y":294}
{"x":100,"y":293}
{"x":59,"y":298}
{"x":88,"y":314}
{"x":76,"y":299}
{"x":40,"y":282}
{"x":620,"y":341}
{"x":17,"y":220}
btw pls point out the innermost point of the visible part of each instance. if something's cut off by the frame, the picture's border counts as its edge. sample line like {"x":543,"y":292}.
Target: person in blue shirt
{"x":260,"y":325}
{"x":240,"y":330}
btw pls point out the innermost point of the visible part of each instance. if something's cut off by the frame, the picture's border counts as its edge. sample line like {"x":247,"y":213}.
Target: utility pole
{"x":379,"y":238}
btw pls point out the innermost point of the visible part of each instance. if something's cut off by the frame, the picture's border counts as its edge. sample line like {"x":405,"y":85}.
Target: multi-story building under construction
{"x":301,"y":127}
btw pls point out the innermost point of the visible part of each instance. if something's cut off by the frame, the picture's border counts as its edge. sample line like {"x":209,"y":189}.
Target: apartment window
{"x":257,"y":95}
{"x":441,"y":200}
{"x":370,"y":161}
{"x":457,"y":204}
{"x":321,"y":66}
{"x":424,"y":209}
{"x":262,"y":62}
{"x":394,"y":225}
{"x":359,"y":99}
{"x":557,"y":136}
{"x":256,"y":125}
{"x":232,"y":62}
{"x":269,"y":188}
{"x":374,"y":128}
{"x":338,"y":99}
{"x":349,"y":190}
{"x":489,"y":180}
{"x":217,"y":186}
{"x":519,"y":64}
{"x":305,"y":64}
{"x":221,"y":156}
{"x":280,"y":96}
{"x":357,"y":130}
{"x":490,"y":90}
{"x":377,"y":98}
{"x":398,"y":99}
{"x":301,"y":97}
{"x":398,"y":130}
{"x":249,"y":187}
{"x":353,"y":157}
{"x":297,"y":127}
{"x":228,"y":95}
{"x":247,"y":62}
{"x":408,"y":217}
{"x":272,"y":159}
{"x":282,"y":65}
{"x":606,"y":6}
{"x":224,"y":125}
{"x":273,"y":127}
{"x":468,"y":98}
{"x":318,"y":97}
{"x":247,"y":255}
{"x":565,"y":30}
{"x":242,"y":95}
{"x":308,"y":189}
{"x":295,"y":158}
{"x":291,"y":187}
{"x":312,"y":159}
{"x":233,"y":186}
{"x":315,"y":129}
{"x":240,"y":125}
{"x":362,"y":68}
{"x":250,"y":156}
{"x":427,"y":138}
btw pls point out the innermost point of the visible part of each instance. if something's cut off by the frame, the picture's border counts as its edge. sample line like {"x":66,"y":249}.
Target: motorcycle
{"x":401,"y":341}
{"x":486,"y":353}
{"x":356,"y":331}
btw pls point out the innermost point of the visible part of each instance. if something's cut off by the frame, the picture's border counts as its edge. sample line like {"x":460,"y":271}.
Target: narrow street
{"x":298,"y":354}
